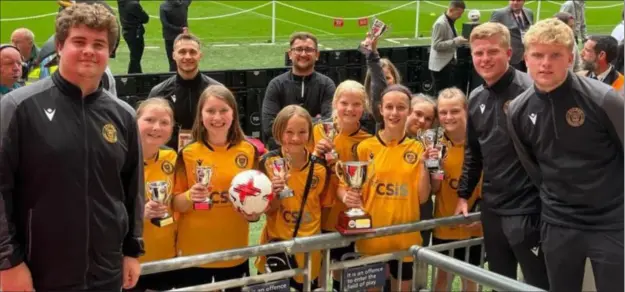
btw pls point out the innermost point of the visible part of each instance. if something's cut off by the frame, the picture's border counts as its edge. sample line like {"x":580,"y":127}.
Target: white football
{"x":250,"y":192}
{"x":474,"y":15}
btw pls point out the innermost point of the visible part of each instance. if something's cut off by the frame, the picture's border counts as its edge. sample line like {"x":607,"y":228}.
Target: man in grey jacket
{"x":576,"y":8}
{"x":518,"y":20}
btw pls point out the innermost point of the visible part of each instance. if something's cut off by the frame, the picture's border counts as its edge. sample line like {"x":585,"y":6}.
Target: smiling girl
{"x":219,"y":143}
{"x":398,"y":186}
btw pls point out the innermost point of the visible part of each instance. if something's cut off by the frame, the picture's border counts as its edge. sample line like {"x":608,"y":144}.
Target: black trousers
{"x":136,"y":45}
{"x":169,"y":49}
{"x":510,"y":240}
{"x":158,"y":282}
{"x":427,"y":212}
{"x":444,"y":78}
{"x":566,"y":251}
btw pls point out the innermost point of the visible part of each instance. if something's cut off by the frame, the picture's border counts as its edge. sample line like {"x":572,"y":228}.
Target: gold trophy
{"x":280,"y":168}
{"x":203,"y":175}
{"x":160,"y":192}
{"x":330,"y":133}
{"x":378,"y":28}
{"x":431,"y":138}
{"x":354,"y":220}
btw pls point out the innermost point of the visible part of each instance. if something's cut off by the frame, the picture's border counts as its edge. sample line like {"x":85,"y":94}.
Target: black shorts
{"x":406,"y":270}
{"x":198,"y":276}
{"x":475,"y":252}
{"x":336,"y":254}
{"x":566,"y":250}
{"x":163,"y":281}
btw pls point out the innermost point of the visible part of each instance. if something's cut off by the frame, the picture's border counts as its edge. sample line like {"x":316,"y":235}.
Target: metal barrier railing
{"x":468,"y":271}
{"x":324,"y":242}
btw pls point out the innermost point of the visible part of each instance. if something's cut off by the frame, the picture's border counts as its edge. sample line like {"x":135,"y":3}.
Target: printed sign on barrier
{"x":364,"y":277}
{"x":274,"y":286}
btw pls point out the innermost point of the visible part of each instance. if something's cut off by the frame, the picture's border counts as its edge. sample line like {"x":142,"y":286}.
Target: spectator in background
{"x":570,"y":21}
{"x":518,"y":20}
{"x":597,"y":57}
{"x":445,"y":42}
{"x":10,"y":68}
{"x":133,"y":17}
{"x":173,"y":14}
{"x":301,"y":85}
{"x":183,"y":89}
{"x":619,"y":31}
{"x":577,"y":9}
{"x":24,"y":40}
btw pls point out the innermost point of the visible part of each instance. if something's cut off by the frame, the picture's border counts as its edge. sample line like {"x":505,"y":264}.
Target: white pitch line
{"x":225,"y":45}
{"x":393,"y":41}
{"x":261,"y":44}
{"x":277,"y":19}
{"x":401,"y":39}
{"x":152,"y":48}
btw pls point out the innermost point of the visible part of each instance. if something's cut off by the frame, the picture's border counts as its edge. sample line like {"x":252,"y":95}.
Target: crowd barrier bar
{"x":468,"y":271}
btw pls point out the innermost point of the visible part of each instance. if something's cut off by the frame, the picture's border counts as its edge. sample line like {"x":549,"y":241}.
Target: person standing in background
{"x":133,"y":17}
{"x":576,"y":8}
{"x":518,"y":20}
{"x":597,"y":57}
{"x":173,"y":14}
{"x":445,"y":42}
{"x":570,"y":21}
{"x":24,"y":40}
{"x":619,"y":30}
{"x":10,"y":68}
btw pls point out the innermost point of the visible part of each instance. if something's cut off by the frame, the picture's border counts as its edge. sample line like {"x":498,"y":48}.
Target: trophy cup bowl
{"x":354,"y":220}
{"x":377,"y":29}
{"x":280,"y":168}
{"x":330,"y":132}
{"x":203,"y":176}
{"x":430,"y":139}
{"x":159,"y":192}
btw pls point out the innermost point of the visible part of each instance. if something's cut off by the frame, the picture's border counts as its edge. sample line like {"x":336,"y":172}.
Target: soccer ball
{"x":250,"y":192}
{"x":474,"y":15}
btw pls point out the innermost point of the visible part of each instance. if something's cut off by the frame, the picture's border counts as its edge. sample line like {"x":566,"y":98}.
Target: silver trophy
{"x":160,"y":192}
{"x":431,"y":139}
{"x":377,"y":29}
{"x":203,"y":175}
{"x":329,"y":131}
{"x":280,"y":168}
{"x":354,"y":174}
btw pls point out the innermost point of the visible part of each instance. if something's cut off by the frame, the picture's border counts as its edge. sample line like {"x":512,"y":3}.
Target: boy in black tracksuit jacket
{"x":173,"y":14}
{"x":510,"y":203}
{"x":568,"y":133}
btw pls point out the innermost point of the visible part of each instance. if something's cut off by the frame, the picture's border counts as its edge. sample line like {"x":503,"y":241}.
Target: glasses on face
{"x":300,"y":50}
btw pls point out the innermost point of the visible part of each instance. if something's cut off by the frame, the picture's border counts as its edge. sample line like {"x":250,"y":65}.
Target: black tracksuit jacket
{"x":571,"y":142}
{"x":174,"y":14}
{"x":71,"y":185}
{"x":507,"y":189}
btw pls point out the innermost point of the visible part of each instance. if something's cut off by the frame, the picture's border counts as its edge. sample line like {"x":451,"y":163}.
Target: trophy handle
{"x":338,"y":169}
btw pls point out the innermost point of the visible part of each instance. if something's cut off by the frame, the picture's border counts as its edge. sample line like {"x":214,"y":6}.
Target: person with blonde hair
{"x":510,"y":202}
{"x":568,"y":133}
{"x":71,"y":170}
{"x":349,"y":104}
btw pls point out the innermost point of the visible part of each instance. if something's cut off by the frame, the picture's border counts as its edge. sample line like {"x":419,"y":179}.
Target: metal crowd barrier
{"x":324,"y":242}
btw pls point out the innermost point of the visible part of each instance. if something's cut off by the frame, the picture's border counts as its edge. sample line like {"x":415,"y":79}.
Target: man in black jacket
{"x":568,"y":132}
{"x":71,"y":171}
{"x":133,"y":17}
{"x":510,"y":203}
{"x":301,"y":85}
{"x":183,"y":90}
{"x":173,"y":15}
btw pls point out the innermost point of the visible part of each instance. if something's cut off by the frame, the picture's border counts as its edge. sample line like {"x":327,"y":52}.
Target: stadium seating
{"x":249,"y":85}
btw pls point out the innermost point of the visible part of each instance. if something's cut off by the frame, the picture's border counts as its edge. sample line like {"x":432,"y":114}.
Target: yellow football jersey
{"x":281,"y":223}
{"x":344,"y":144}
{"x":221,"y":227}
{"x":391,"y":194}
{"x":447,"y":195}
{"x":160,"y":242}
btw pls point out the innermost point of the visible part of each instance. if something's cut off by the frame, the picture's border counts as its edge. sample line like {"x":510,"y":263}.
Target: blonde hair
{"x":235,"y":133}
{"x":157,"y":102}
{"x":550,"y":31}
{"x":283,"y":117}
{"x":384,"y":63}
{"x":350,"y":85}
{"x":453,"y":92}
{"x":94,"y":16}
{"x":491,"y":29}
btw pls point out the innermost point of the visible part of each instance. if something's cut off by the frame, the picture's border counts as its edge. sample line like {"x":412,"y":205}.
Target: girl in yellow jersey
{"x":218,"y":143}
{"x":292,"y":131}
{"x":155,"y":120}
{"x":398,"y":185}
{"x":349,"y":104}
{"x":452,"y":112}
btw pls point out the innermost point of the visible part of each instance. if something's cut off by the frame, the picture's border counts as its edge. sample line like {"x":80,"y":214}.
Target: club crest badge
{"x":109,"y":133}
